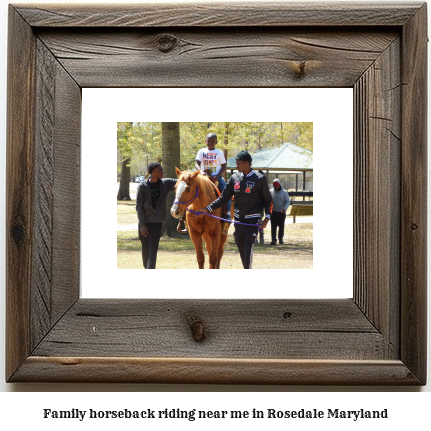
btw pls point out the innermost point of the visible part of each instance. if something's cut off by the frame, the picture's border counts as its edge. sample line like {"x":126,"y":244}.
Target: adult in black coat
{"x":252,"y":194}
{"x":151,"y":198}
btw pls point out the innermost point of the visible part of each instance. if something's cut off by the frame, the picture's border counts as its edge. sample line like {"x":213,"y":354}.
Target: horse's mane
{"x":206,"y":186}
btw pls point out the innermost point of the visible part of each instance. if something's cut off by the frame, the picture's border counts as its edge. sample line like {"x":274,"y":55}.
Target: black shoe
{"x":273,"y":242}
{"x":280,"y":241}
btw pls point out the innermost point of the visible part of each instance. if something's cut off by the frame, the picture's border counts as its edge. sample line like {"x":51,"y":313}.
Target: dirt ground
{"x":295,"y":253}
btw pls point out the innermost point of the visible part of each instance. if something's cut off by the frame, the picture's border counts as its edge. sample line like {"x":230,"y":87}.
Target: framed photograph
{"x":376,"y":337}
{"x":111,"y":260}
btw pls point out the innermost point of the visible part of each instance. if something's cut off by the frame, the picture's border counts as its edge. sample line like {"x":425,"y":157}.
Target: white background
{"x":407,"y":409}
{"x":330,"y":110}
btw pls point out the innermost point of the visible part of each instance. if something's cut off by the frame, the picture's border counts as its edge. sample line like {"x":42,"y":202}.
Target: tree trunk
{"x":123,"y":191}
{"x":171,"y":159}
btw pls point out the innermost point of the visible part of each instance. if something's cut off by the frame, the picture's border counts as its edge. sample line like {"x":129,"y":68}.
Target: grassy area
{"x":179,"y":253}
{"x":126,"y":212}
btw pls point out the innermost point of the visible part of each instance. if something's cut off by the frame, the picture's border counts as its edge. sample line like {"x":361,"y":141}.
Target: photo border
{"x":379,"y":337}
{"x":99,"y":251}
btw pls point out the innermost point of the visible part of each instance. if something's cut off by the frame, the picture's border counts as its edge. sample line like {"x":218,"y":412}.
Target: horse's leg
{"x":197,"y":241}
{"x":223,"y":239}
{"x":213,"y":241}
{"x":206,"y":238}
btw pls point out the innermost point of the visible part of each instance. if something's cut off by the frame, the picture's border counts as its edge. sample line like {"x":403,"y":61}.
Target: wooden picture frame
{"x":378,"y":337}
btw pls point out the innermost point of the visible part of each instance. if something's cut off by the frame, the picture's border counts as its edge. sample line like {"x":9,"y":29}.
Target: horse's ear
{"x":177,"y":171}
{"x":195,"y":174}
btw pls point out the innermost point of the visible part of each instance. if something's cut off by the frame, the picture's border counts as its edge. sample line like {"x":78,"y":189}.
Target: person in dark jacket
{"x":251,"y":193}
{"x":281,"y":202}
{"x":151,"y":197}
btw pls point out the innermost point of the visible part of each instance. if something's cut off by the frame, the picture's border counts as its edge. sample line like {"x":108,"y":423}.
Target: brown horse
{"x":195,"y":191}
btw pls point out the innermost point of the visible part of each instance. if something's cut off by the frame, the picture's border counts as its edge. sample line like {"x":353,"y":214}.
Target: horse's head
{"x":185,"y":192}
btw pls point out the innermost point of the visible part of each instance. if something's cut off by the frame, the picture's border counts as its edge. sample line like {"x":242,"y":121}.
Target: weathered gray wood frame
{"x":378,"y":337}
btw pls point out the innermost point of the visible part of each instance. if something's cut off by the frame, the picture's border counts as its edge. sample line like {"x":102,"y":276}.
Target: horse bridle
{"x":192,"y":199}
{"x":197,"y":212}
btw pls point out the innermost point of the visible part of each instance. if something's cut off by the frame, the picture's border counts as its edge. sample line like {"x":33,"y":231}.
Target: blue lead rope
{"x":223,"y":219}
{"x":213,"y":216}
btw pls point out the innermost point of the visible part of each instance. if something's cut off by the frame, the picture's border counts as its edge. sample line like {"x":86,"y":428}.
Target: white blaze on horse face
{"x":180,"y":190}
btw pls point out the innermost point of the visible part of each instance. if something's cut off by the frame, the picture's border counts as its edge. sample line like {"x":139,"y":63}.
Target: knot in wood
{"x":167,"y":42}
{"x":197,"y":327}
{"x":414,"y":226}
{"x":300,"y":69}
{"x":18,"y":233}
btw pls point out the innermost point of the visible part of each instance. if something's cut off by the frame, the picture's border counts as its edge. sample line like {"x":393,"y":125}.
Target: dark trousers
{"x":150,"y":244}
{"x":245,"y":236}
{"x":277,"y":220}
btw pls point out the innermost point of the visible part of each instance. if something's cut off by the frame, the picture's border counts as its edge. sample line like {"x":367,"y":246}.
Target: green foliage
{"x":124,"y":140}
{"x":300,"y":134}
{"x":142,"y":142}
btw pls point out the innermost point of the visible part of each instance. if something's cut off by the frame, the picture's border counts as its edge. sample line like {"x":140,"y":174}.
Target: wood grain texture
{"x":215,"y":371}
{"x":268,"y":329}
{"x":377,"y":192}
{"x":55,"y":278}
{"x":43,"y":194}
{"x":220,"y":15}
{"x":210,"y":57}
{"x":43,"y":191}
{"x":377,"y":338}
{"x":67,"y":192}
{"x":19,"y":199}
{"x":414,"y":194}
